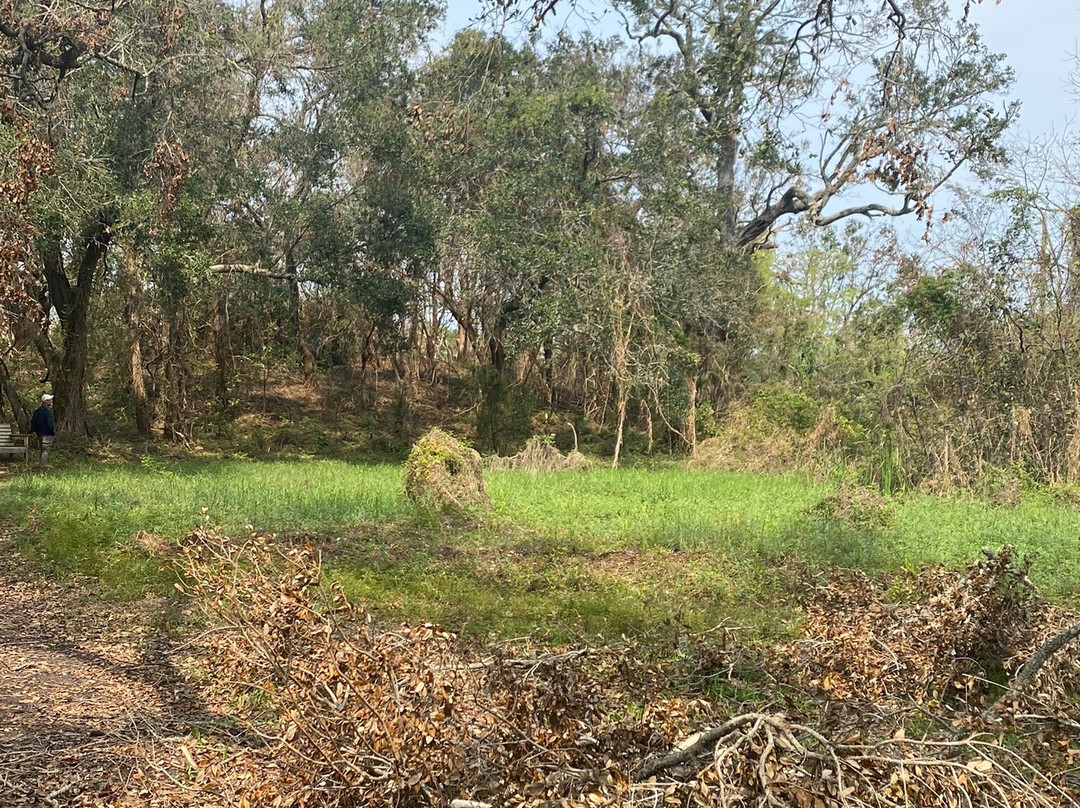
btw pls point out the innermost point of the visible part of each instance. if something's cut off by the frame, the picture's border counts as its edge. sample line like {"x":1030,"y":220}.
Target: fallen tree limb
{"x":1027,"y":673}
{"x":764,"y":758}
{"x":1023,"y":679}
{"x":705,"y":739}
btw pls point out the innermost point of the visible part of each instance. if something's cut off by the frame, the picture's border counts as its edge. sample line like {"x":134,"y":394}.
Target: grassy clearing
{"x":612,"y":552}
{"x":567,"y":555}
{"x":930,"y":530}
{"x":85,"y":519}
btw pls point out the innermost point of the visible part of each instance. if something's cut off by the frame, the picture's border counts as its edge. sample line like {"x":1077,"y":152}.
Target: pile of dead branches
{"x":759,"y":759}
{"x":354,"y":714}
{"x":360,"y":715}
{"x":936,"y":636}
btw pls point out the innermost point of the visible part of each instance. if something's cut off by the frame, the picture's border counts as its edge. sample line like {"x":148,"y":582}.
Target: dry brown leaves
{"x":24,"y":160}
{"x":941,"y":642}
{"x":303,"y":700}
{"x":358,"y":715}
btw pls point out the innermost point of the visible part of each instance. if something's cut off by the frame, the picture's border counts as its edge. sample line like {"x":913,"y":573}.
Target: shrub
{"x":784,"y":407}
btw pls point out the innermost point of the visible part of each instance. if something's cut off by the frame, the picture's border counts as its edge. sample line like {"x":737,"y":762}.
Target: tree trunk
{"x":497,"y":350}
{"x":497,"y":336}
{"x":170,"y":412}
{"x":433,"y":337}
{"x":648,"y":424}
{"x":223,"y":355}
{"x":19,"y":411}
{"x":621,"y":348}
{"x":620,"y":420}
{"x":546,"y":373}
{"x":133,"y":313}
{"x":691,"y":416}
{"x":725,"y":185}
{"x":409,"y":387}
{"x":462,"y":344}
{"x":177,"y":375}
{"x":68,"y":369}
{"x":307,"y":358}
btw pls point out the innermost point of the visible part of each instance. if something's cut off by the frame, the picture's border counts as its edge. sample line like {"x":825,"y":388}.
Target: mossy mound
{"x":858,"y":507}
{"x":444,"y":473}
{"x":540,"y":454}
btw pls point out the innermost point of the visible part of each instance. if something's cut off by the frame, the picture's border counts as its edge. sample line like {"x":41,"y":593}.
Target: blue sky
{"x":1039,"y":37}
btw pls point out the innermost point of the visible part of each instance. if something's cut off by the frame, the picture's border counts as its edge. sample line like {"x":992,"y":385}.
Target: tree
{"x":104,"y":89}
{"x":39,"y":47}
{"x":517,"y":158}
{"x":795,"y":111}
{"x":328,"y":86}
{"x":25,"y":161}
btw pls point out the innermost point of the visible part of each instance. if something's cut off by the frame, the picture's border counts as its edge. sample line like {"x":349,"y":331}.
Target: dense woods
{"x":746,"y":216}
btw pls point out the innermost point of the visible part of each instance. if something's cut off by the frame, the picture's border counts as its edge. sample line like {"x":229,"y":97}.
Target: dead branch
{"x":780,"y":762}
{"x":1027,"y":673}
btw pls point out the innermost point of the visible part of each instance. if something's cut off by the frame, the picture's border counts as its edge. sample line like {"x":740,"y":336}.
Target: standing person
{"x":43,"y":425}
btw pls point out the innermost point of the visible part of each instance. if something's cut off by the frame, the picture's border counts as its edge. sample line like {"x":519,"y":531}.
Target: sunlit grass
{"x":170,"y":498}
{"x":566,"y":555}
{"x":669,"y":508}
{"x":86,"y":519}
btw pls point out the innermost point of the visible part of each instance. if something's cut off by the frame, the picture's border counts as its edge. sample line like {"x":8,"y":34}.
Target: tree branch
{"x":1027,"y":673}
{"x":693,"y":750}
{"x":249,"y":269}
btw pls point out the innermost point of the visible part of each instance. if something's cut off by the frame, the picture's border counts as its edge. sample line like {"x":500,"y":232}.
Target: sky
{"x":1039,"y":38}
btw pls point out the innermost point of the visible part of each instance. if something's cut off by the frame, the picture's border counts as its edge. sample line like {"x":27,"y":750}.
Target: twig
{"x":51,"y":797}
{"x":707,"y":738}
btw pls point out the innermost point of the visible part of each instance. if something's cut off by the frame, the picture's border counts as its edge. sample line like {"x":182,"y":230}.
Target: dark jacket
{"x":42,"y":423}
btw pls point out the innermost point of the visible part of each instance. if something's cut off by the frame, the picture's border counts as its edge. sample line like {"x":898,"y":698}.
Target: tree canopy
{"x":645,"y":229}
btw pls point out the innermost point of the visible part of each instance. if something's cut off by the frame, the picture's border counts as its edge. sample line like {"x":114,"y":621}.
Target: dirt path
{"x":94,"y":710}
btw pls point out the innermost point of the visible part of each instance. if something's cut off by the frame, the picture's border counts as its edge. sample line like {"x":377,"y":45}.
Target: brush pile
{"x":358,"y":715}
{"x":540,"y":454}
{"x":949,"y":632}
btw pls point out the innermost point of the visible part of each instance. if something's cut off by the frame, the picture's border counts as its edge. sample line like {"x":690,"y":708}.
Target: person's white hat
{"x":46,"y":397}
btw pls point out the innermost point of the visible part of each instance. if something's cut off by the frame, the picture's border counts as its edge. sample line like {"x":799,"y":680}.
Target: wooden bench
{"x":12,"y":443}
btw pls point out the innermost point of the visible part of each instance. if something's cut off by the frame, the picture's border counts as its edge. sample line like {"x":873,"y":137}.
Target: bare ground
{"x":93,"y":708}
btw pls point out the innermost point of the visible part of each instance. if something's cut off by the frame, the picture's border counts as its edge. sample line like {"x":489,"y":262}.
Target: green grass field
{"x":563,"y":555}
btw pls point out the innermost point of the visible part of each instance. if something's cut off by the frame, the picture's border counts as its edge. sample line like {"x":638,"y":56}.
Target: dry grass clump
{"x":861,"y":508}
{"x":540,"y":454}
{"x":747,"y":441}
{"x":442,"y":472}
{"x":738,"y":450}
